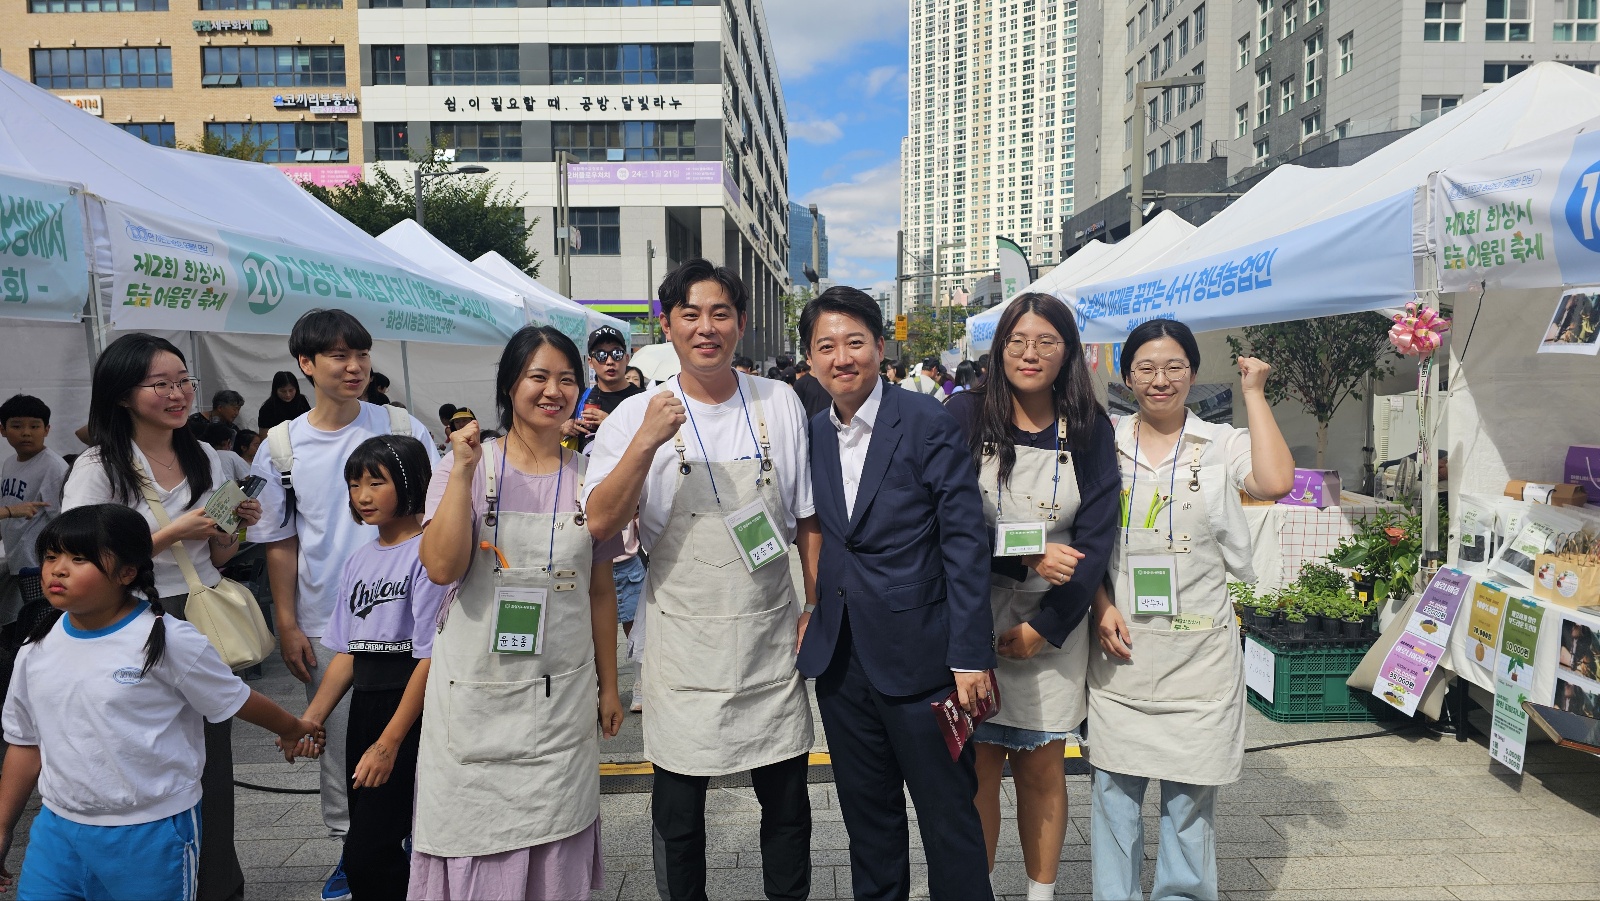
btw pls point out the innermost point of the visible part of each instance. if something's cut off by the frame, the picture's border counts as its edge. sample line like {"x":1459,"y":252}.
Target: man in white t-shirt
{"x":310,"y":533}
{"x":709,"y":455}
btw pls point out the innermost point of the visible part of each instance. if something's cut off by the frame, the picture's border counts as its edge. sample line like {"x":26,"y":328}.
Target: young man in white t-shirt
{"x":30,"y":494}
{"x":310,"y":535}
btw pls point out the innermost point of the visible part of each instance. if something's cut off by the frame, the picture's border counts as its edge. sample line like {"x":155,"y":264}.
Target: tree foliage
{"x":1319,"y":362}
{"x":930,"y":332}
{"x":246,"y":148}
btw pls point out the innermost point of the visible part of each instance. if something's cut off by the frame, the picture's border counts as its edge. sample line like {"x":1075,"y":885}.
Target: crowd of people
{"x":452,"y":608}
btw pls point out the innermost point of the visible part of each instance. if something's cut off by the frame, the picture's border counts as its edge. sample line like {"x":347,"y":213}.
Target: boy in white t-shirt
{"x":30,"y":495}
{"x":308,"y":530}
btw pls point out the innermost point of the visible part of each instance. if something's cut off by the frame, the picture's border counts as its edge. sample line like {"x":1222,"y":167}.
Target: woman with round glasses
{"x":1166,"y":684}
{"x":1047,"y":467}
{"x":140,"y":398}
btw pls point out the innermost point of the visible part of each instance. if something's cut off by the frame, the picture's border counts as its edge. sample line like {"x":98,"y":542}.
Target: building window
{"x":210,"y":5}
{"x":1149,"y":162}
{"x":103,"y":67}
{"x":289,"y":142}
{"x":389,"y":64}
{"x":1441,"y":20}
{"x":1183,"y":37}
{"x":1263,"y":149}
{"x":1347,"y":53}
{"x":1313,"y":68}
{"x":1576,"y":20}
{"x":600,"y":142}
{"x":1313,"y":9}
{"x":1433,"y":107}
{"x":1291,"y":17}
{"x":471,"y":4}
{"x":622,"y":64}
{"x":460,"y":64}
{"x":390,"y":142}
{"x":1495,"y":73}
{"x":1244,"y":52}
{"x":267,"y":67}
{"x":1263,"y":26}
{"x":1263,"y":96}
{"x":612,"y":3}
{"x":1342,"y":130}
{"x":1199,"y":23}
{"x":97,"y":6}
{"x":1311,"y":125}
{"x":1507,"y":20}
{"x":1241,"y":121}
{"x":1583,"y":67}
{"x":388,"y":4}
{"x":1180,"y":146}
{"x":599,"y":232}
{"x":1196,"y":138}
{"x":481,"y":142}
{"x":161,"y":134}
{"x":1286,"y":95}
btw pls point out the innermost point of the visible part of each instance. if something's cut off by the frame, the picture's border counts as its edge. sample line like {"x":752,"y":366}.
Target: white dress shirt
{"x":854,"y":439}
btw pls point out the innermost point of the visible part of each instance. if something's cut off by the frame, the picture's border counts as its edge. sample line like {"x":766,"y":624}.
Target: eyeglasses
{"x":1017,"y":345}
{"x":1145,"y":373}
{"x":600,"y":356}
{"x":165,"y":388}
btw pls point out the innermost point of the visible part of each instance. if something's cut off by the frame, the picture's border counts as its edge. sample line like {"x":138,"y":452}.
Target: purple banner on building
{"x":645,"y":174}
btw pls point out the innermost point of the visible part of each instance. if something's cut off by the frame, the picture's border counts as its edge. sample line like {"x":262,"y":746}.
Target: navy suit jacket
{"x":912,"y":563}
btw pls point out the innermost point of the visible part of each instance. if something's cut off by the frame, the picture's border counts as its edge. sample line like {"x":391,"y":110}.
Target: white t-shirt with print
{"x":90,"y":484}
{"x":726,"y":435}
{"x":39,"y":478}
{"x":328,"y":534}
{"x":119,"y":748}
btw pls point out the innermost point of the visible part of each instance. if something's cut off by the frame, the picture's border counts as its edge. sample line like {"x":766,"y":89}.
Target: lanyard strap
{"x":1055,"y":479}
{"x":1127,"y":524}
{"x":762,"y":445}
{"x":492,"y":496}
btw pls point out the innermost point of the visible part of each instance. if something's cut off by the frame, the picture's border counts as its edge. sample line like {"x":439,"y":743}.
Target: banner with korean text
{"x":172,"y":274}
{"x":1355,"y":261}
{"x":44,"y":273}
{"x":1526,"y":218}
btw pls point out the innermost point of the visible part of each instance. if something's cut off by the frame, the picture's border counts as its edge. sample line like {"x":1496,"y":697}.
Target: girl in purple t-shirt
{"x":383,"y":631}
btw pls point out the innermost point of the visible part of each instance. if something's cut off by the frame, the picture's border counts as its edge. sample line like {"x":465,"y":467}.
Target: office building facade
{"x":991,"y":138}
{"x":800,"y":230}
{"x":671,"y":109}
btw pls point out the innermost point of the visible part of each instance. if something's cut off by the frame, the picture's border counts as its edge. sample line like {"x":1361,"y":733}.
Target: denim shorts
{"x":629,"y":576}
{"x":1013,"y":738}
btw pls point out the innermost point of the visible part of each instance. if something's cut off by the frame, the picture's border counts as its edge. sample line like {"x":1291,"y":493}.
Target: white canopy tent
{"x":504,"y":271}
{"x":980,"y":327}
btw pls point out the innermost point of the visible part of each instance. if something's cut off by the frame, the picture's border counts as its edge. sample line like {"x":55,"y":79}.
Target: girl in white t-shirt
{"x":104,"y":717}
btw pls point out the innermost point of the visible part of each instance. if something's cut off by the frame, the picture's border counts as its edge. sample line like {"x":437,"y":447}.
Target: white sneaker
{"x":638,"y":704}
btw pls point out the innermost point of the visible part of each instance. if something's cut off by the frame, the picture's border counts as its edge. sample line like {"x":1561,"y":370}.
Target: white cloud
{"x":881,"y":77}
{"x":863,"y":215}
{"x":817,"y":131}
{"x":807,"y":34}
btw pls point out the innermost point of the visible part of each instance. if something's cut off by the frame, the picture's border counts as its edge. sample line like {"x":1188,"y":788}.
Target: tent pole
{"x":194,"y":368}
{"x":405,"y":373}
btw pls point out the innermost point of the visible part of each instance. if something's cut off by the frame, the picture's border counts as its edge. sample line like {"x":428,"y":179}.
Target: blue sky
{"x":842,"y":65}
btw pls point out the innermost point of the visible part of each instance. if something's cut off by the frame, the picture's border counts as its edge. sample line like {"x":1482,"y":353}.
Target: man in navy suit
{"x":902,"y":615}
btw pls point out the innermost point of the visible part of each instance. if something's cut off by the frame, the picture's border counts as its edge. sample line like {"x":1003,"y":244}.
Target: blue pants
{"x":102,"y":863}
{"x":1186,"y":862}
{"x":629,"y":576}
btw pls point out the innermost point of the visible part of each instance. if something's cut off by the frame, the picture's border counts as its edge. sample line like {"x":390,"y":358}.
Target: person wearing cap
{"x":928,"y":379}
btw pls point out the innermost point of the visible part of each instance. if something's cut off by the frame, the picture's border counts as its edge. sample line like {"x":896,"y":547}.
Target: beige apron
{"x":510,"y":754}
{"x":1176,"y":711}
{"x":722,"y":694}
{"x":1044,"y":693}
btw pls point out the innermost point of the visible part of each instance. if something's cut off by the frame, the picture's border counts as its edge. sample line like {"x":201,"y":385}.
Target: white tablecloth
{"x":1284,"y":538}
{"x":1546,"y":654}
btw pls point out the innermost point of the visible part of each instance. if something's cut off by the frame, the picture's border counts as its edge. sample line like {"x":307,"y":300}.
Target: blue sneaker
{"x":337,"y":888}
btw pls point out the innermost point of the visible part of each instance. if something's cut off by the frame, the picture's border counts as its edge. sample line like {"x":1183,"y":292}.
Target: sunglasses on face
{"x":600,"y":356}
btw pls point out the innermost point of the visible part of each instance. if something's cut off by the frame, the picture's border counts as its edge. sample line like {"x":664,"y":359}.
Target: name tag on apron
{"x":755,"y":536}
{"x":1018,"y":539}
{"x":1154,"y":583}
{"x":1191,"y":622}
{"x":519,"y":620}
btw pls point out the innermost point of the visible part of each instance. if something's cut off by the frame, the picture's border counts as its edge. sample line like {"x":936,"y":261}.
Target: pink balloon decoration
{"x":1417,"y":332}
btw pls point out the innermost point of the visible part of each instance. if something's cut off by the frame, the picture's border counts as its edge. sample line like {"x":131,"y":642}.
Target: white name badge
{"x":519,"y":620}
{"x":1153,"y":585}
{"x":1017,"y":539}
{"x":755,"y":536}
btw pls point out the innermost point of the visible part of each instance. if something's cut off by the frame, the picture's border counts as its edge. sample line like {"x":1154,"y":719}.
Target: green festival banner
{"x":44,"y":273}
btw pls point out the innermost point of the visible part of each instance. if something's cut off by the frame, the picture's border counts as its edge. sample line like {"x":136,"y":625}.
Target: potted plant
{"x":1385,"y":552}
{"x":1295,"y":624}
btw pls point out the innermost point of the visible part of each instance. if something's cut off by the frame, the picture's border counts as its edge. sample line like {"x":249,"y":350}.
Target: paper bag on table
{"x":1567,"y":580}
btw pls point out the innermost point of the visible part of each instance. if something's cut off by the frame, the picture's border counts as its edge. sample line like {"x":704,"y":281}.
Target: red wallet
{"x":956,"y":724}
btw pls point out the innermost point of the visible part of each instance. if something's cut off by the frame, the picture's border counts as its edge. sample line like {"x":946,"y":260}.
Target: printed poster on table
{"x":1578,"y":667}
{"x":1483,"y":624}
{"x":1508,"y":725}
{"x":44,"y":273}
{"x":1415,"y":656}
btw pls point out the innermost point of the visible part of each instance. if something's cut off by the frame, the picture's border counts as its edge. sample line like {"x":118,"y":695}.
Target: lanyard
{"x":1177,"y":449}
{"x":577,"y":411}
{"x":764,"y":459}
{"x":555,"y":505}
{"x":1055,"y":479}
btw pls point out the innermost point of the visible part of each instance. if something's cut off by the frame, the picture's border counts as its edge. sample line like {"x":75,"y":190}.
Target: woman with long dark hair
{"x":140,"y":398}
{"x":1046,"y":463}
{"x":285,"y":403}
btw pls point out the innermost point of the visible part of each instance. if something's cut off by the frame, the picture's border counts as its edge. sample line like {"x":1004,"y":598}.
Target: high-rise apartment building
{"x":800,"y":226}
{"x":990,"y":142}
{"x":672,"y":109}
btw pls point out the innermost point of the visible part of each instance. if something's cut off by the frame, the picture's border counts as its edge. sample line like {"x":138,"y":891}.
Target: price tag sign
{"x":755,"y":536}
{"x":1018,"y":539}
{"x":1154,"y":584}
{"x":519,"y":620}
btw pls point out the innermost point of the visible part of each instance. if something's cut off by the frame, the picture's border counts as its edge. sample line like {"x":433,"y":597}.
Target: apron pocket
{"x":723,"y":653}
{"x":572,"y":712}
{"x":496,"y":722}
{"x":766,"y":647}
{"x":1199,"y":665}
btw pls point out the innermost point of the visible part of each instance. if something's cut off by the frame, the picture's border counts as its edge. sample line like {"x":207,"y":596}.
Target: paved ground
{"x":1409,"y":816}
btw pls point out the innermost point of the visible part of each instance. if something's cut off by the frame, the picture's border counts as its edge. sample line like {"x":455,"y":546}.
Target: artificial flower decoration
{"x":1417,"y":331}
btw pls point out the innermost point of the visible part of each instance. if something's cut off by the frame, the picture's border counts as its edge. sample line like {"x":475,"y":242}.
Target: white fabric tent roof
{"x":506,"y":272}
{"x":422,"y":248}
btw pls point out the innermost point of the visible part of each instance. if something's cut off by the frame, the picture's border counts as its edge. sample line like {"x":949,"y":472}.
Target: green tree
{"x":1319,"y":362}
{"x":793,"y":304}
{"x":245,"y":148}
{"x":930,"y":332}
